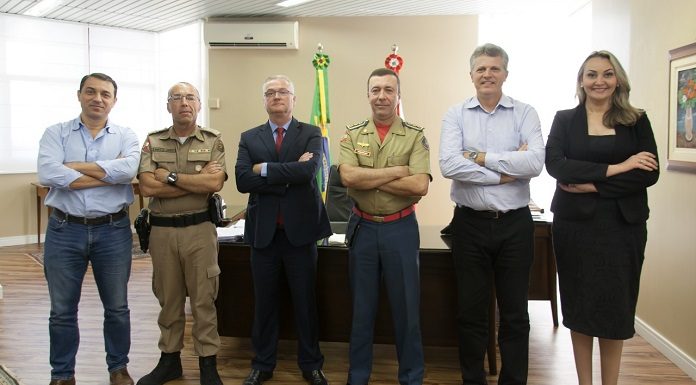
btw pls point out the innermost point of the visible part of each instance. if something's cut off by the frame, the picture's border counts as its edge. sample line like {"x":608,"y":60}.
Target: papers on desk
{"x":235,"y":233}
{"x":337,"y":239}
{"x":232,"y":233}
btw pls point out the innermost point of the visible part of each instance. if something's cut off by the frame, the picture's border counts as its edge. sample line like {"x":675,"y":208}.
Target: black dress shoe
{"x":315,"y":377}
{"x":257,"y":377}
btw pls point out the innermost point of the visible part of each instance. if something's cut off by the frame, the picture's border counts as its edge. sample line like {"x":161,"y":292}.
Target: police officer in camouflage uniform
{"x":180,"y":167}
{"x":385,"y":164}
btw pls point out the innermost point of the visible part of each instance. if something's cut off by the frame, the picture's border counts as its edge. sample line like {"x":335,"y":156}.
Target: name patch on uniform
{"x":162,"y":149}
{"x":199,"y":150}
{"x":362,"y":152}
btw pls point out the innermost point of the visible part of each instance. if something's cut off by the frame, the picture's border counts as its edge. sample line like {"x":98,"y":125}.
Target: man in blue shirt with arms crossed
{"x":491,"y":146}
{"x":88,"y":163}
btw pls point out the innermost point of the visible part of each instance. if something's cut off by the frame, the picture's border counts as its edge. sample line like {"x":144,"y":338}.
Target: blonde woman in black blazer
{"x":603,"y":155}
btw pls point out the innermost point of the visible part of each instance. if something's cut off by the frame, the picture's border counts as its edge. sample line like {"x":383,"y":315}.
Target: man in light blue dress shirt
{"x":88,"y":163}
{"x":490,"y":147}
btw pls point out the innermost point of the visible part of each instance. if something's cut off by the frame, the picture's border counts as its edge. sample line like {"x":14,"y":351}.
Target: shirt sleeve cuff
{"x":492,"y":161}
{"x":264,"y":169}
{"x":71,"y":176}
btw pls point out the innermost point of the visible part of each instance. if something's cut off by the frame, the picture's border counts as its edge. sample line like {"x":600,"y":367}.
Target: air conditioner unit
{"x":279,"y":35}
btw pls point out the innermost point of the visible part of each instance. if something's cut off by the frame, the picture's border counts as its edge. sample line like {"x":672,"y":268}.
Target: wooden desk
{"x":235,"y":303}
{"x":42,"y":191}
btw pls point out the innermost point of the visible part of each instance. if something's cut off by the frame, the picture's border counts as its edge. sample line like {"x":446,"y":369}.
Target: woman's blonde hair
{"x":621,"y":110}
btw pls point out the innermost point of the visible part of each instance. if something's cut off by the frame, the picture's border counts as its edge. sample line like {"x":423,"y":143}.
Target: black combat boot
{"x":168,"y":368}
{"x":209,"y":373}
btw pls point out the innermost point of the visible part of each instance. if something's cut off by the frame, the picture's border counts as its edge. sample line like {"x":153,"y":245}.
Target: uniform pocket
{"x":164,"y":157}
{"x":199,"y":156}
{"x":398,"y":160}
{"x":352,"y":229}
{"x":213,"y":271}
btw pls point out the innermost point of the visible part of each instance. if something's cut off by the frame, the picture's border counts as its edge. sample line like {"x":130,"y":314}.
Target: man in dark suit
{"x":276,"y":164}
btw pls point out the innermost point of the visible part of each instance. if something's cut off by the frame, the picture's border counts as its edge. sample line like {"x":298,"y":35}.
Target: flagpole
{"x":320,"y":114}
{"x":394,"y":62}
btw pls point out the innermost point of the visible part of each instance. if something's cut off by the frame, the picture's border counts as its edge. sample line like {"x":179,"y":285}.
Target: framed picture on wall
{"x":681,"y":153}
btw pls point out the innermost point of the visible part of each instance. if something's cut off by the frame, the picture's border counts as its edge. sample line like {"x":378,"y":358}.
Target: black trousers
{"x":300,"y":266}
{"x":489,"y":251}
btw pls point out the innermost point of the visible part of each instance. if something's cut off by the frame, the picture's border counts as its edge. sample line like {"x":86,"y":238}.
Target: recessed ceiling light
{"x":43,"y":7}
{"x":291,"y":3}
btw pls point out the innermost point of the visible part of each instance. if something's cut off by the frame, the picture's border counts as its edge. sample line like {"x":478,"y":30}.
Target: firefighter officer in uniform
{"x":385,"y":164}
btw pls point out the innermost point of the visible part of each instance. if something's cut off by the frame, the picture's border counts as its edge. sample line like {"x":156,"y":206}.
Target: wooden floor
{"x":24,"y":341}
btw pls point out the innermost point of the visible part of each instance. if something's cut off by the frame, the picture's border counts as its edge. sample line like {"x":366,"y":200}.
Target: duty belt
{"x":385,"y":218}
{"x":108,"y":218}
{"x":180,"y":220}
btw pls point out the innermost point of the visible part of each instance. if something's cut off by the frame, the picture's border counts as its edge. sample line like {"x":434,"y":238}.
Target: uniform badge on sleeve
{"x":425,"y":144}
{"x":146,"y":146}
{"x":220,"y":146}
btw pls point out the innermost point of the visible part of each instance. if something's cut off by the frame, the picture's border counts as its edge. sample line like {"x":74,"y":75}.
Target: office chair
{"x":338,"y":203}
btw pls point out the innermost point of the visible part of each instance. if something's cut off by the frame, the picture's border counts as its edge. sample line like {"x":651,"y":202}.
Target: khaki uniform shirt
{"x":404,"y":145}
{"x":162,"y":149}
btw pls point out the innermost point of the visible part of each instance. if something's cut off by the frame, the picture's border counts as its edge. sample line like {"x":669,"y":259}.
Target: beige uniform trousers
{"x":184,"y":262}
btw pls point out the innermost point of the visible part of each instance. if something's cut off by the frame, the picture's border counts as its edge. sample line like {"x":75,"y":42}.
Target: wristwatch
{"x":473,"y":155}
{"x":172,"y":178}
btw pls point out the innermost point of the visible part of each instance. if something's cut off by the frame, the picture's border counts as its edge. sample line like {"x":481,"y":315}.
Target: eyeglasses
{"x":271,"y":94}
{"x":178,"y":98}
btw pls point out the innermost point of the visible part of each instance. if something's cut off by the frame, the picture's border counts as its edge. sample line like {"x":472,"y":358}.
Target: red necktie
{"x":279,"y":138}
{"x":278,"y":143}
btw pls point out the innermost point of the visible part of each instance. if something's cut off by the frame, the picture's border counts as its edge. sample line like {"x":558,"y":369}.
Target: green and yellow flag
{"x":320,"y":116}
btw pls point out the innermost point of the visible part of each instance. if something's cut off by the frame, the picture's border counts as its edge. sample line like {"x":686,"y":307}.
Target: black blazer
{"x":290,"y":186}
{"x":568,"y":161}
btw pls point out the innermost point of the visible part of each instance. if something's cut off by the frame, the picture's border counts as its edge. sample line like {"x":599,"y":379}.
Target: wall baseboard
{"x":20,"y":240}
{"x":673,"y":353}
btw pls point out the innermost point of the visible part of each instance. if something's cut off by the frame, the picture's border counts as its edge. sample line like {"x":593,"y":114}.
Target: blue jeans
{"x":68,"y":249}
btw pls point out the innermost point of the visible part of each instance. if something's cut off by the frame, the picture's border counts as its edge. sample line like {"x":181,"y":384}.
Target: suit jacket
{"x":290,"y":186}
{"x":568,"y":160}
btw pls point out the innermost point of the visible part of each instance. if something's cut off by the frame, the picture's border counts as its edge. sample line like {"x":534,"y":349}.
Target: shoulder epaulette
{"x":357,"y":125}
{"x":413,"y":126}
{"x":211,"y":130}
{"x":158,"y":131}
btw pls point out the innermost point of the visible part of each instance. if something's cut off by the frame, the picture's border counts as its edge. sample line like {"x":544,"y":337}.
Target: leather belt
{"x":488,"y":214}
{"x":385,"y":218}
{"x":180,"y":220}
{"x":63,"y":216}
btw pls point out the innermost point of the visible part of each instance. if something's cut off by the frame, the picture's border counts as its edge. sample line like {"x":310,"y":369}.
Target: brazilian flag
{"x":320,"y":116}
